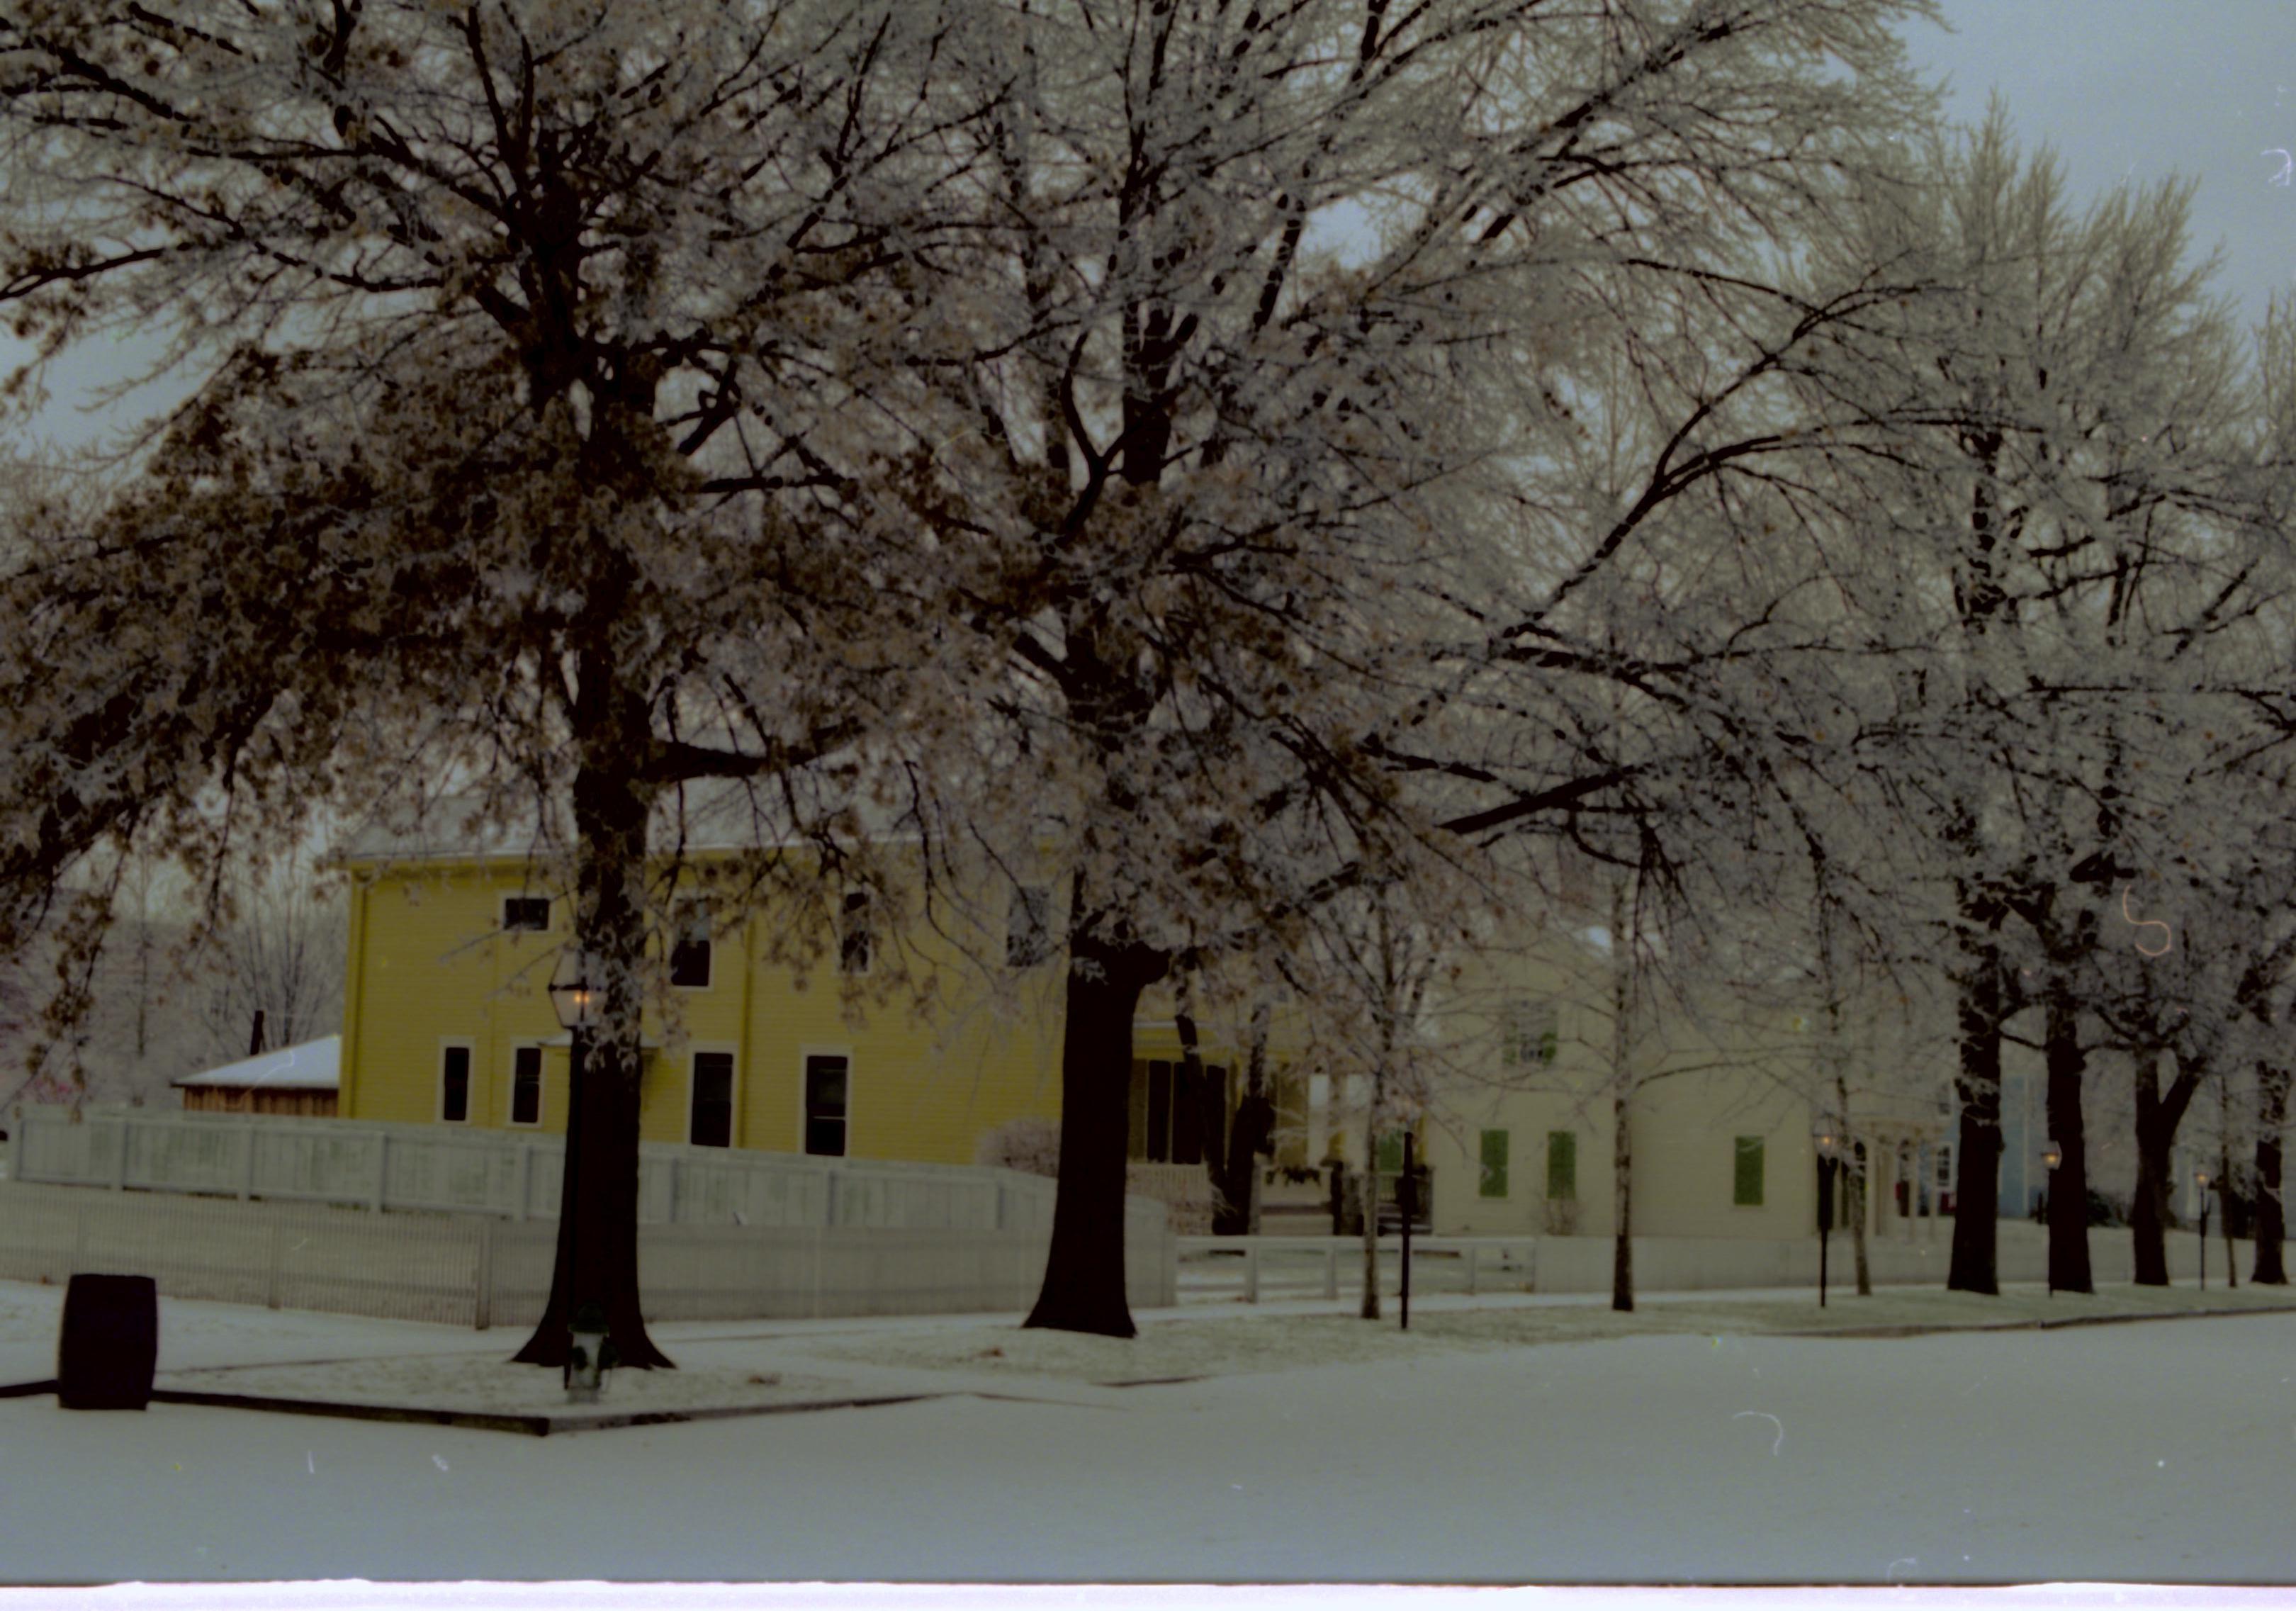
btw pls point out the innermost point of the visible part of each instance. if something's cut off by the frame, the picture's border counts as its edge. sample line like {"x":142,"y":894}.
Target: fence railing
{"x":484,"y":1270}
{"x":1299,"y":1266}
{"x":438,"y":1170}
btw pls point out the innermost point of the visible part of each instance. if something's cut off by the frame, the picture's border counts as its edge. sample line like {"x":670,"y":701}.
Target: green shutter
{"x":1562,"y":1166}
{"x":1747,"y":1190}
{"x":1494,"y":1165}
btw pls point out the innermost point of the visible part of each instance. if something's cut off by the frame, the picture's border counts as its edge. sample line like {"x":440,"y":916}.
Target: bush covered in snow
{"x":1031,"y":1146}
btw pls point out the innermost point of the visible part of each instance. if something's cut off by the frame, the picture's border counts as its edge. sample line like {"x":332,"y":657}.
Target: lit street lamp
{"x":1829,"y":1150}
{"x":578,"y":999}
{"x":2200,"y":1179}
{"x":2052,"y":1155}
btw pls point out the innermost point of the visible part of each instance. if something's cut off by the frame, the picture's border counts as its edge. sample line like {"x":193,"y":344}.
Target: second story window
{"x":1028,"y":932}
{"x":1528,"y":1037}
{"x":526,"y":914}
{"x":690,"y":948}
{"x":853,"y":939}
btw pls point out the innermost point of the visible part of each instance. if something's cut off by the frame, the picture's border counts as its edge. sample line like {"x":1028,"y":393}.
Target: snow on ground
{"x":2158,"y":1452}
{"x":1242,"y":1341}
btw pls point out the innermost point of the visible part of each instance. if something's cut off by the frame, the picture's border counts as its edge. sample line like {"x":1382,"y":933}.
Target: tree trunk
{"x":2068,"y":1210}
{"x":2271,"y":1223}
{"x":1082,"y":1289}
{"x":1977,"y":1181}
{"x":2148,"y":1215}
{"x":597,"y":1257}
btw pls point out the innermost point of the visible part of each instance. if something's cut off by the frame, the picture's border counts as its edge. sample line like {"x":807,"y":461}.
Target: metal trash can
{"x":109,"y":1345}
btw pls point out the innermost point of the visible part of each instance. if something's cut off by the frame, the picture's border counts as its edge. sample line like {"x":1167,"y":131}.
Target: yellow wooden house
{"x":447,"y":1020}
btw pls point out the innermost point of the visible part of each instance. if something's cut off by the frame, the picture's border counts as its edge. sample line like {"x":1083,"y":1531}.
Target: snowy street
{"x":2154,"y":1452}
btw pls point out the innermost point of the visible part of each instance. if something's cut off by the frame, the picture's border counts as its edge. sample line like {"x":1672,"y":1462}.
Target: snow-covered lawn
{"x":1237,"y":1342}
{"x":482,"y":1382}
{"x":2150,"y":1452}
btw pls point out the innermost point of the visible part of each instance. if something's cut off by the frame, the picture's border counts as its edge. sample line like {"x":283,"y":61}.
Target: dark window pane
{"x":528,"y":913}
{"x":1160,"y":1112}
{"x":713,"y":1099}
{"x":526,"y":1084}
{"x":455,"y":1100}
{"x":824,"y":1106}
{"x":853,"y":941}
{"x":689,"y":965}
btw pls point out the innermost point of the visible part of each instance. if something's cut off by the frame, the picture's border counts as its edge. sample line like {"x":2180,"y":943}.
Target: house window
{"x":1493,"y":1181}
{"x":526,"y":1084}
{"x":1176,"y":1116}
{"x":1027,"y":933}
{"x":455,"y":1085}
{"x":825,"y":1081}
{"x":1528,"y":1034}
{"x":690,"y":952}
{"x":712,"y":1123}
{"x":853,"y":934}
{"x":1562,"y":1166}
{"x":1746,"y":1186}
{"x":526,"y":914}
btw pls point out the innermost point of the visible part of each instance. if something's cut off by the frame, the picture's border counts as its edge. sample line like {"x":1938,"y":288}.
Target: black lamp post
{"x":1829,"y":1152}
{"x":2200,"y":1179}
{"x":2052,"y":1155}
{"x":576,"y":997}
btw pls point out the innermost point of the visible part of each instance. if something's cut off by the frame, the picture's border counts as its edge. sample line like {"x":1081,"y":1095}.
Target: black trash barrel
{"x":109,"y":1345}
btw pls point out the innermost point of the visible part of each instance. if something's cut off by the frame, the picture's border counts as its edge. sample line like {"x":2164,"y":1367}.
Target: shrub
{"x":1031,"y":1146}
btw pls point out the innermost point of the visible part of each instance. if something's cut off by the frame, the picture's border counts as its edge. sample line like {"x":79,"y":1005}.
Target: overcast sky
{"x":2139,"y":89}
{"x":2122,"y":89}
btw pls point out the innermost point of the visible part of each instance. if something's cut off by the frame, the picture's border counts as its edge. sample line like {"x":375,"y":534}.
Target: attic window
{"x":1528,"y":1034}
{"x":690,"y":953}
{"x":526,"y":914}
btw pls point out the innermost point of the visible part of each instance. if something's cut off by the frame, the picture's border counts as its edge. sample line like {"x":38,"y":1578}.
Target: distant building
{"x":302,"y":1080}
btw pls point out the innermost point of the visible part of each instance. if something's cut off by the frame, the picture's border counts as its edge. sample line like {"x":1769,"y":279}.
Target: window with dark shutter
{"x":713,"y":1101}
{"x":1562,"y":1166}
{"x":526,"y":1084}
{"x":825,"y":1081}
{"x":455,"y":1085}
{"x":1493,"y":1180}
{"x":1746,"y":1186}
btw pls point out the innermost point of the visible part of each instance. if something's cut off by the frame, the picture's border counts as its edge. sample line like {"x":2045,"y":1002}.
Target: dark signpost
{"x":1829,"y":1148}
{"x":1406,"y":1198}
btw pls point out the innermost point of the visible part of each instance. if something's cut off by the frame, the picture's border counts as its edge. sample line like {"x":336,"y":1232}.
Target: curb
{"x":2043,"y":1325}
{"x":539,"y":1423}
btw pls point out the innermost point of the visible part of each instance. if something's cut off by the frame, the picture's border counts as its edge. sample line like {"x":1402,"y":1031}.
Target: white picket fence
{"x":418,"y":1222}
{"x":1254,"y":1268}
{"x":483,"y":1271}
{"x":432,"y":1169}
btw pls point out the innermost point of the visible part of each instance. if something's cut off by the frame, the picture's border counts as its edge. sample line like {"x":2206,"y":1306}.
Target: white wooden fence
{"x":483,"y":1269}
{"x":434,"y":1169}
{"x":1307,"y":1267}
